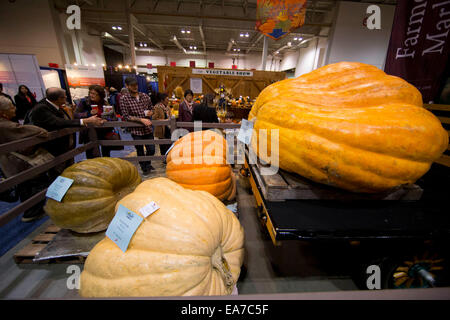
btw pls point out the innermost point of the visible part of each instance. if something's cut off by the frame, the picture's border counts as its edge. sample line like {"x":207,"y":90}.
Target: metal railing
{"x":93,"y":144}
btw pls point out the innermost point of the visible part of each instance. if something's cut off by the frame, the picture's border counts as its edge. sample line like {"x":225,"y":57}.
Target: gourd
{"x":88,"y":206}
{"x":351,"y":126}
{"x":198,"y":162}
{"x":192,"y":245}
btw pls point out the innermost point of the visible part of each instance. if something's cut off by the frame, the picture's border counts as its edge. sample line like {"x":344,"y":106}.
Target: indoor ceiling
{"x":209,"y":25}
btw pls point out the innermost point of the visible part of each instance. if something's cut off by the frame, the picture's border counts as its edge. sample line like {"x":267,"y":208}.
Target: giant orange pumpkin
{"x":197,"y":161}
{"x":351,"y":126}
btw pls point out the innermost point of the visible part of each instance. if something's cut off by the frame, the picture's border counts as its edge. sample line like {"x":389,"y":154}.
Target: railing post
{"x":173,"y":124}
{"x":93,"y":138}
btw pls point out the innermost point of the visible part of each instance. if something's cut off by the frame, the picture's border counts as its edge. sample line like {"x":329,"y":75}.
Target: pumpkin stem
{"x":220,"y":263}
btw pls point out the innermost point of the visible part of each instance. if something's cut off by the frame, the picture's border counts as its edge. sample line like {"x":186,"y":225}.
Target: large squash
{"x":192,"y":245}
{"x":350,"y":125}
{"x":198,"y":161}
{"x":88,"y":205}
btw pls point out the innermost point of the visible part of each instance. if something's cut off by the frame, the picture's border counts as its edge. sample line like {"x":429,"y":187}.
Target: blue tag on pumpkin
{"x":123,"y":226}
{"x":58,"y":189}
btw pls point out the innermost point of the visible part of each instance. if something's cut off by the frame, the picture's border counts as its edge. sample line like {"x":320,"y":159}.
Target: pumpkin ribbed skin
{"x":192,"y":245}
{"x":351,"y":126}
{"x":198,"y":162}
{"x":88,"y":205}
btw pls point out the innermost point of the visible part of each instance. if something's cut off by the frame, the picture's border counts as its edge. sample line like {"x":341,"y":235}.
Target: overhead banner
{"x":218,"y":72}
{"x":81,"y":77}
{"x":277,"y":18}
{"x":419,"y":46}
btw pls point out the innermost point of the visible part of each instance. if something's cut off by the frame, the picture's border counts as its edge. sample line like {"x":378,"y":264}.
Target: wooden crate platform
{"x":289,"y":186}
{"x":37,"y":244}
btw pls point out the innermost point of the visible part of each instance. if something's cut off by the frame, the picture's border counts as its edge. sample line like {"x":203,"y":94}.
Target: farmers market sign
{"x":217,"y":72}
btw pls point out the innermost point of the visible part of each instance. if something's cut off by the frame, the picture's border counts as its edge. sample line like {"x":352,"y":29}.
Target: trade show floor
{"x":292,"y":267}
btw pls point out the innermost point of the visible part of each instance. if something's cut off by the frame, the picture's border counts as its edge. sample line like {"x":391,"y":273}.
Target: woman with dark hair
{"x":25,"y":101}
{"x":206,"y":112}
{"x":161,"y":111}
{"x":186,"y":110}
{"x":95,"y":104}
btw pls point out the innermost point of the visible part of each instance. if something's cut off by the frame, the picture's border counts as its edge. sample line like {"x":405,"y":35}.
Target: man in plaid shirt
{"x":137,"y":106}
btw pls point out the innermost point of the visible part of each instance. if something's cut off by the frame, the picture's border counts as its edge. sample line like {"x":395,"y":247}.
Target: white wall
{"x":27,"y":27}
{"x":289,"y":60}
{"x":220,"y":59}
{"x":352,"y":41}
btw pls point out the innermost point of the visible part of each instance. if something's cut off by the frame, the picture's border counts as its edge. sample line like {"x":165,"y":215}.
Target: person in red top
{"x":25,"y":101}
{"x":137,"y":107}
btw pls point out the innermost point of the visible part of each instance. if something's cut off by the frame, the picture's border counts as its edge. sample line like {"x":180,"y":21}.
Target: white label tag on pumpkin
{"x":58,"y":188}
{"x":245,"y":132}
{"x":168,"y":150}
{"x":149,"y":209}
{"x":123,"y":226}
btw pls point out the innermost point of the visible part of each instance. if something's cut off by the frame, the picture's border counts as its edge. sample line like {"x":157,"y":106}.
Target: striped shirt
{"x":134,"y":107}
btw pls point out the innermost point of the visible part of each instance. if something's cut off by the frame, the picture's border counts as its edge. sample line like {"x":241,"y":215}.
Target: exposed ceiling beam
{"x":111,"y":37}
{"x":144,"y":32}
{"x":178,"y":44}
{"x":254,"y":43}
{"x":203,"y":37}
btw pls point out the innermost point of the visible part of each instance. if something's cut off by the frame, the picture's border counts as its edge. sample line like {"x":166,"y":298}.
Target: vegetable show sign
{"x":419,"y":47}
{"x":277,"y":18}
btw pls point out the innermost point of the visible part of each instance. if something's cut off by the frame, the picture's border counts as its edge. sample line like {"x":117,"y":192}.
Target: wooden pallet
{"x":38,"y":243}
{"x":289,"y":186}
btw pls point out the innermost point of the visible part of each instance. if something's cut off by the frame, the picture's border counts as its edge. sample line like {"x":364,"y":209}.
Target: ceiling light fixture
{"x":247,"y":35}
{"x":119,"y":66}
{"x":114,"y":28}
{"x":119,"y":28}
{"x":183,"y":31}
{"x":188,"y":31}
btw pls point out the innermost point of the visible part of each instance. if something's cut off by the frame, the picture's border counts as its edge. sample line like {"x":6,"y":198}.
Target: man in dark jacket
{"x":50,"y":115}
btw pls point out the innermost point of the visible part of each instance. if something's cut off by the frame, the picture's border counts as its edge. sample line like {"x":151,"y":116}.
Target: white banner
{"x":218,"y":72}
{"x":196,"y":85}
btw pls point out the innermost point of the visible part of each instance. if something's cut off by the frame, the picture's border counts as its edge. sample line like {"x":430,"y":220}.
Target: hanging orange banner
{"x":277,"y":18}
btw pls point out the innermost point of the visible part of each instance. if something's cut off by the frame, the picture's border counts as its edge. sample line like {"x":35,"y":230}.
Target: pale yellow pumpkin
{"x":88,"y":205}
{"x":192,"y":245}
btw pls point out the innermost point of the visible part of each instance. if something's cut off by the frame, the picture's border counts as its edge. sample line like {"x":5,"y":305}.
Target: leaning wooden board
{"x":289,"y":186}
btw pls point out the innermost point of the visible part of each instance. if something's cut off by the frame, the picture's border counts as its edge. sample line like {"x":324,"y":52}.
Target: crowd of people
{"x":24,"y":117}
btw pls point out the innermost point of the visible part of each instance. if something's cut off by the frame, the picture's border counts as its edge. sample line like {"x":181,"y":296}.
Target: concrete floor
{"x":293,"y":267}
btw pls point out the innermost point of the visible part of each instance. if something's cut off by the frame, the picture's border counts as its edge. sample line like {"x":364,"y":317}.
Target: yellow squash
{"x":88,"y":205}
{"x":351,"y":126}
{"x":192,"y":245}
